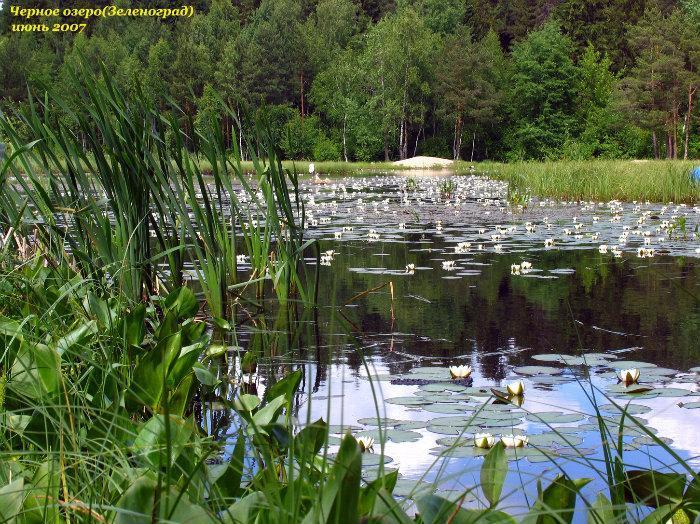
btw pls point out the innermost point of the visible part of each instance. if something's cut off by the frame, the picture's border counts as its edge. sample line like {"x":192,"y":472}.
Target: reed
{"x":601,"y":180}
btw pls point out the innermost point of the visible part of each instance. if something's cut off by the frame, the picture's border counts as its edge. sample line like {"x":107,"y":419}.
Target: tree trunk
{"x":655,"y":144}
{"x":345,"y":144}
{"x":415,"y":147}
{"x":473,"y":144}
{"x":386,"y":149}
{"x":301,"y":91}
{"x":687,"y":122}
{"x":457,"y":140}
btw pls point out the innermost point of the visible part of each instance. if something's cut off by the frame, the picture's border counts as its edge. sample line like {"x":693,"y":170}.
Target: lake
{"x":420,"y":273}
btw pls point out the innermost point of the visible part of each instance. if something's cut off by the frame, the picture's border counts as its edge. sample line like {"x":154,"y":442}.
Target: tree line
{"x":365,"y":80}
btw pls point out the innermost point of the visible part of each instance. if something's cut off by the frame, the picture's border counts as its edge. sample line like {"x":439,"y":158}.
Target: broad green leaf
{"x":287,"y":387}
{"x":666,"y":514}
{"x":41,"y":505}
{"x":182,"y":301}
{"x":246,"y":509}
{"x":369,"y":493}
{"x":137,"y":505}
{"x":78,"y":337}
{"x":152,"y":441}
{"x":346,"y":474}
{"x":11,"y":498}
{"x":310,"y":439}
{"x":36,"y":370}
{"x":601,"y":512}
{"x":152,"y":370}
{"x":387,"y":510}
{"x":134,"y":325}
{"x":205,"y":377}
{"x":246,"y":402}
{"x":340,"y":495}
{"x":437,"y":510}
{"x":269,"y":412}
{"x":653,"y":488}
{"x":558,"y":501}
{"x":493,"y":473}
{"x":227,"y":477}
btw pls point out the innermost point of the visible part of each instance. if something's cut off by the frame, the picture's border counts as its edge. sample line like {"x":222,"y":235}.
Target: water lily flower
{"x":516,"y":388}
{"x":514,"y":441}
{"x":338,"y":235}
{"x":484,"y":440}
{"x":629,"y":376}
{"x":525,"y":265}
{"x":460,"y":371}
{"x":603,"y":248}
{"x":365,"y":443}
{"x":410,"y":268}
{"x":515,"y":269}
{"x":448,"y":265}
{"x":549,"y":242}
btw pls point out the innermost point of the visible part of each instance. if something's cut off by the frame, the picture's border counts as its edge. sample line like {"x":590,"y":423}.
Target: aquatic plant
{"x":117,"y":180}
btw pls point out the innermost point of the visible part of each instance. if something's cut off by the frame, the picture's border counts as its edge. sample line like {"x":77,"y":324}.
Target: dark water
{"x":363,"y":358}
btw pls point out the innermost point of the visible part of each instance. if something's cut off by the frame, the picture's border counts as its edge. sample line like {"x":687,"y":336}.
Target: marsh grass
{"x":602,"y":180}
{"x":120,"y":182}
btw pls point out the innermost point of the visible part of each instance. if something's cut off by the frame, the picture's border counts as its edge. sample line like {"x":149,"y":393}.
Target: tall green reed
{"x":111,"y":176}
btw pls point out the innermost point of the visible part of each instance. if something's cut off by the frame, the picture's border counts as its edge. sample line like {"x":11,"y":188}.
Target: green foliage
{"x":542,"y":93}
{"x":388,"y":78}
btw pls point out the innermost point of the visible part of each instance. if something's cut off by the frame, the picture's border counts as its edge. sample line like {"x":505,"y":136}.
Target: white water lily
{"x":338,"y":235}
{"x":514,"y":441}
{"x":365,"y":443}
{"x":516,"y":388}
{"x":549,"y":242}
{"x":448,"y":265}
{"x":462,"y":247}
{"x":515,"y":269}
{"x":525,"y":265}
{"x":603,"y":248}
{"x":629,"y":376}
{"x":460,"y":371}
{"x":410,"y":268}
{"x":484,"y":440}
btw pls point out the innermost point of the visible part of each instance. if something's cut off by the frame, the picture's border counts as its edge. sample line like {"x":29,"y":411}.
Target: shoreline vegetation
{"x":593,"y":179}
{"x":625,"y":180}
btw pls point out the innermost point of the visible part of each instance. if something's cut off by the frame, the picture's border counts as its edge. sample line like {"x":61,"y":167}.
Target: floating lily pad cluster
{"x":466,"y":410}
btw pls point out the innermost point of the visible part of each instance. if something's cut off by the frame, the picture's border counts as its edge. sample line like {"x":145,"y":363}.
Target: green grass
{"x":602,"y":180}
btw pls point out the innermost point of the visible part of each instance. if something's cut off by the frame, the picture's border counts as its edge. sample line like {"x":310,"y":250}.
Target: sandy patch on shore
{"x":424,"y":162}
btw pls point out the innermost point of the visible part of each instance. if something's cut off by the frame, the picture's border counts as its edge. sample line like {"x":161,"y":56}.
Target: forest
{"x":390,"y":79}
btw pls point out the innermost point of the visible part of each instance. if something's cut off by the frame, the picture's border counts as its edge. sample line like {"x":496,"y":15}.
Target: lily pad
{"x":630,"y":364}
{"x":442,"y":386}
{"x":407,"y":401}
{"x":414,"y":424}
{"x":645,"y":440}
{"x":552,"y":438}
{"x":407,"y":488}
{"x":537,"y":370}
{"x":554,"y":417}
{"x":447,"y":409}
{"x":630,"y":409}
{"x":394,"y":435}
{"x":384,"y":422}
{"x":369,"y":460}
